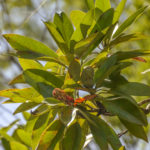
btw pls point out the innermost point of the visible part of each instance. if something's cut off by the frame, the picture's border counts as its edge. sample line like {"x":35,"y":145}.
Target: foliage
{"x":86,"y":60}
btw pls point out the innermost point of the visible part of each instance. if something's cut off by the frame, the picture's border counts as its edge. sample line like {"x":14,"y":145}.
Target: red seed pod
{"x":140,"y":59}
{"x":62,"y":96}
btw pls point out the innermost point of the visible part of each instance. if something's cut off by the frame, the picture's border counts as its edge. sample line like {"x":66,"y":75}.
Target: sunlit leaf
{"x":129,"y":21}
{"x":17,"y":79}
{"x":22,"y":43}
{"x":57,"y":37}
{"x":22,"y":95}
{"x":119,"y":10}
{"x":64,"y":26}
{"x":103,"y":4}
{"x":72,"y":139}
{"x":77,"y":17}
{"x":29,"y":64}
{"x":52,"y":134}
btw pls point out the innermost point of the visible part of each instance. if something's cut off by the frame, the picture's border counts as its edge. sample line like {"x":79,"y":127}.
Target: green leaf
{"x":72,"y":139}
{"x":17,"y":79}
{"x":22,"y":95}
{"x":125,"y":109}
{"x":65,"y":114}
{"x":42,"y":109}
{"x":25,"y":106}
{"x":99,"y":59}
{"x":42,"y":81}
{"x":58,"y":61}
{"x":5,"y":144}
{"x":122,"y":55}
{"x":86,"y":46}
{"x":29,"y":64}
{"x":126,"y":38}
{"x":24,"y":136}
{"x":16,"y":145}
{"x":102,"y":132}
{"x":39,"y":127}
{"x":22,"y":43}
{"x":51,"y":136}
{"x":51,"y":100}
{"x":103,"y":5}
{"x":104,"y":21}
{"x":136,"y":130}
{"x":134,"y":88}
{"x":64,"y":26}
{"x":90,"y":4}
{"x":119,"y":10}
{"x":129,"y":21}
{"x":87,"y":77}
{"x":81,"y":31}
{"x":57,"y":37}
{"x":7,"y":128}
{"x":77,"y":17}
{"x":105,"y":69}
{"x":74,"y":70}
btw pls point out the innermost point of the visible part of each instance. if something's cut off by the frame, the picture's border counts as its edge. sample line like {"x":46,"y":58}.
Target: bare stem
{"x":122,"y":133}
{"x":144,"y":102}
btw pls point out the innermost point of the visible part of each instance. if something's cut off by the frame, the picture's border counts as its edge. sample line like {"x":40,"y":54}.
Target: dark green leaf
{"x":72,"y":139}
{"x":102,"y":132}
{"x":22,"y":43}
{"x":42,"y":81}
{"x":25,"y":106}
{"x":5,"y":144}
{"x":42,"y":109}
{"x":134,"y":88}
{"x":87,"y":77}
{"x":65,"y":114}
{"x":126,"y":38}
{"x":84,"y":47}
{"x":106,"y":69}
{"x":129,"y":21}
{"x":125,"y":109}
{"x":74,"y":70}
{"x":136,"y":130}
{"x":104,"y":21}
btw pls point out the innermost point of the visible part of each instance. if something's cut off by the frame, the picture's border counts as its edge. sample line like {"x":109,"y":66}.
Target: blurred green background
{"x":25,"y":17}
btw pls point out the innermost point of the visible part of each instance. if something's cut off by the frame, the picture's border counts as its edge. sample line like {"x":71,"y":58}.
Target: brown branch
{"x":122,"y":133}
{"x":144,"y":102}
{"x":147,"y":109}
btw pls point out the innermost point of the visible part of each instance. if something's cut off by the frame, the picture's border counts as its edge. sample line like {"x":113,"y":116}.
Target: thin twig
{"x":122,"y":133}
{"x":144,"y":102}
{"x":33,"y":13}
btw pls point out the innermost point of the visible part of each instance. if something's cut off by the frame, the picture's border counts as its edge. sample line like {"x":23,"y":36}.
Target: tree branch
{"x":144,"y":102}
{"x":122,"y":133}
